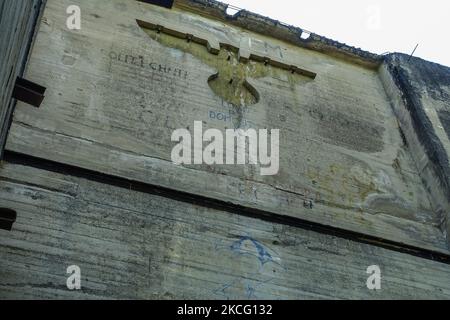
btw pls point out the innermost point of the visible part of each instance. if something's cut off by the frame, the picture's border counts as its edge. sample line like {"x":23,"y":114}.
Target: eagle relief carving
{"x":234,"y":65}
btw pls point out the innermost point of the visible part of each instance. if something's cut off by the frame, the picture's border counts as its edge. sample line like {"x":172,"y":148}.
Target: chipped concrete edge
{"x":291,"y":34}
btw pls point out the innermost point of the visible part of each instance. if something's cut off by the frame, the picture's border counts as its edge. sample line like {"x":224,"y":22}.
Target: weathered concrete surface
{"x":118,"y":88}
{"x":420,"y":94}
{"x":18,"y":20}
{"x":115,"y":95}
{"x":133,"y":245}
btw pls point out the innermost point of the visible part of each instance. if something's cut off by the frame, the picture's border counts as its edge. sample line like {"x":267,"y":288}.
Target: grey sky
{"x":375,"y":25}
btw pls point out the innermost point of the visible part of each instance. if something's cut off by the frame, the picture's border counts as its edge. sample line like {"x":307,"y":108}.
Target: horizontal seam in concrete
{"x":69,"y":170}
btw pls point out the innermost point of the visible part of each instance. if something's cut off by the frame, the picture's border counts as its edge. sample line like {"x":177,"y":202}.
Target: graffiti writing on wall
{"x":142,"y":62}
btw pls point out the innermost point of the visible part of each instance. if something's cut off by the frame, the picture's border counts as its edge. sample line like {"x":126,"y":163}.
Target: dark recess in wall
{"x":7,"y":218}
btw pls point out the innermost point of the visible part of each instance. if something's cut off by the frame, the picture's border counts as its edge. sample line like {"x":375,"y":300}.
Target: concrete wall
{"x":18,"y":20}
{"x":119,"y":87}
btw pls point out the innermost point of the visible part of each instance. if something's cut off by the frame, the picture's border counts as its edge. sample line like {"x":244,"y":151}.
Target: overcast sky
{"x":378,"y":26}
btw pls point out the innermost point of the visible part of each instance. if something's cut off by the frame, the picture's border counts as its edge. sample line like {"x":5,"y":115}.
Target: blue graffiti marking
{"x":263,"y":255}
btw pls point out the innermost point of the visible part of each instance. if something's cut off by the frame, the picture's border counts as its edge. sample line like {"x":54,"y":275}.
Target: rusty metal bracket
{"x":162,"y":3}
{"x":28,"y":92}
{"x":7,"y":218}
